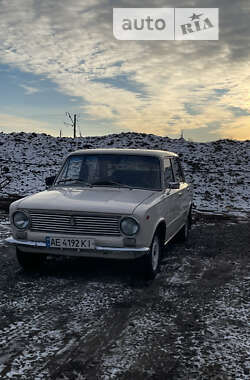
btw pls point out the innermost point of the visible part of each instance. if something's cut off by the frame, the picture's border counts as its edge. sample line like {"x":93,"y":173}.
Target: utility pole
{"x":74,"y":126}
{"x":73,"y":122}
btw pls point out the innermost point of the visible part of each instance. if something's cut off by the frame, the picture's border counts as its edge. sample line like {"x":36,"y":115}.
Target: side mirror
{"x":50,"y":180}
{"x":174,"y":185}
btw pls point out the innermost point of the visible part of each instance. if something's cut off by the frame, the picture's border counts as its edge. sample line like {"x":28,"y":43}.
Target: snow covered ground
{"x":4,"y":227}
{"x":219,"y":171}
{"x":79,"y":320}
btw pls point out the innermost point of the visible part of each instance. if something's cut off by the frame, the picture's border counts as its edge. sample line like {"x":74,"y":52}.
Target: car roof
{"x":142,"y":152}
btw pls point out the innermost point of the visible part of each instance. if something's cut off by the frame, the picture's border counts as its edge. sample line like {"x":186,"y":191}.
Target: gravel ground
{"x":82,"y":319}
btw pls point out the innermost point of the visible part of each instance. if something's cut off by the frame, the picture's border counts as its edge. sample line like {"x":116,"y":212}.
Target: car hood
{"x":97,"y":200}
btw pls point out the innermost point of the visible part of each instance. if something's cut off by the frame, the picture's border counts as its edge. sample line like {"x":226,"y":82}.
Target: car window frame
{"x":176,"y":160}
{"x":164,"y":183}
{"x":181,"y":169}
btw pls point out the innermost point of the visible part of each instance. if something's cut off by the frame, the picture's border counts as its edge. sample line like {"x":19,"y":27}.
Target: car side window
{"x":168,"y":172}
{"x":177,"y":170}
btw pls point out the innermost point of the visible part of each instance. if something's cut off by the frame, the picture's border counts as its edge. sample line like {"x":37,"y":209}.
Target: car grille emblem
{"x":72,"y":221}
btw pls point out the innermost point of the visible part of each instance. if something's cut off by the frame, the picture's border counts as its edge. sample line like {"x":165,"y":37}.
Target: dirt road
{"x":95,"y":320}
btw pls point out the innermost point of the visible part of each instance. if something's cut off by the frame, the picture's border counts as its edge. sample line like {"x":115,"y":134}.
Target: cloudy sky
{"x":60,"y":56}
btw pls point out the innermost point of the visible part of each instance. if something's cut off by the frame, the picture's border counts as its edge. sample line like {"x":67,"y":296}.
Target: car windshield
{"x":116,"y":170}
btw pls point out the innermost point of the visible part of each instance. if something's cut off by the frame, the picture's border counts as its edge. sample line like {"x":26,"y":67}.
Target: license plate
{"x":69,"y":243}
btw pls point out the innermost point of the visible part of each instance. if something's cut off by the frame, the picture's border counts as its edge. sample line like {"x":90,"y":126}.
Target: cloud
{"x":169,"y":85}
{"x":236,"y":130}
{"x":29,"y":90}
{"x":21,"y":124}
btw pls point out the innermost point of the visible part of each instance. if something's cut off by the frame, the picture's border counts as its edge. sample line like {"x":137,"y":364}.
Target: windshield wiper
{"x":109,"y":183}
{"x":73,"y":180}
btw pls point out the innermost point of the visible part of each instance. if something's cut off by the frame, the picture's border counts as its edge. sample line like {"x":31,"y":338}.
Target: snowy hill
{"x":219,"y":171}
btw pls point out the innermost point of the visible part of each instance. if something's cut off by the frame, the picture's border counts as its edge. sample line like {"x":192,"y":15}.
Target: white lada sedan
{"x":106,"y":203}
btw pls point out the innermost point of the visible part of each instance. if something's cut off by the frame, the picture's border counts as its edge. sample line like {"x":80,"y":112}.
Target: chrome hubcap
{"x":155,"y":253}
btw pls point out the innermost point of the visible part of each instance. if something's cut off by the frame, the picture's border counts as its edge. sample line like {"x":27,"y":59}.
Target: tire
{"x":30,"y":262}
{"x":152,"y":259}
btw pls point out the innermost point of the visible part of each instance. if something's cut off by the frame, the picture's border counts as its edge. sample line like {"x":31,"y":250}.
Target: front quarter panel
{"x":150,"y":215}
{"x":161,"y":208}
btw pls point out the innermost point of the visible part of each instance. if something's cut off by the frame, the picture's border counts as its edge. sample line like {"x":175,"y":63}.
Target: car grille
{"x":75,"y":224}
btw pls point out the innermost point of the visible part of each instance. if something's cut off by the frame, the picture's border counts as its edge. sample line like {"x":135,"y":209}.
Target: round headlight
{"x":20,"y":220}
{"x":129,"y":226}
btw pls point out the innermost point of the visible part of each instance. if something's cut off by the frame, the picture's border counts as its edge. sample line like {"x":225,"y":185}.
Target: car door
{"x":170,"y":203}
{"x":183,"y":194}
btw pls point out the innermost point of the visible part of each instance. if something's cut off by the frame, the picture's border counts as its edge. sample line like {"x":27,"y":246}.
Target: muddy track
{"x":87,"y":351}
{"x":82,"y":319}
{"x":76,"y":315}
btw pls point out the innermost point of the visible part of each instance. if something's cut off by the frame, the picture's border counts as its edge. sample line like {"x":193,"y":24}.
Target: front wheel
{"x":152,"y":259}
{"x":30,"y":262}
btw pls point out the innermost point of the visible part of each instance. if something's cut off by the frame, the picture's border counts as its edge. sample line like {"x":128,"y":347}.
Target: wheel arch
{"x":161,"y":230}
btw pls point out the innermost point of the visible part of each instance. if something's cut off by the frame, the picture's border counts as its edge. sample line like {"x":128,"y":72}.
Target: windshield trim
{"x":158,"y":158}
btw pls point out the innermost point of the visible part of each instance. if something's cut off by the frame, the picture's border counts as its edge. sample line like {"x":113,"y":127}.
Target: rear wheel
{"x":30,"y":262}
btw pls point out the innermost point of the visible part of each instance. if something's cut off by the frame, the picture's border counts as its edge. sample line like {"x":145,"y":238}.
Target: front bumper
{"x":99,"y":251}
